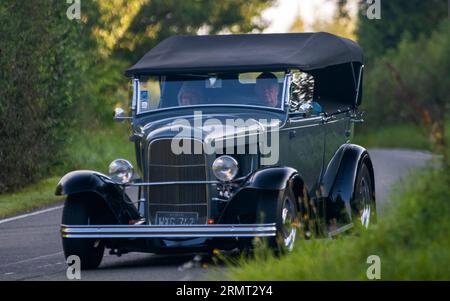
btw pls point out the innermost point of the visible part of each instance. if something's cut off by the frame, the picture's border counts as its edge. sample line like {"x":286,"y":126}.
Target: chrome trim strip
{"x":135,"y":96}
{"x":175,"y":205}
{"x":172,"y":183}
{"x":174,"y":165}
{"x":272,"y":109}
{"x":340,"y":230}
{"x":358,"y":88}
{"x":159,"y":231}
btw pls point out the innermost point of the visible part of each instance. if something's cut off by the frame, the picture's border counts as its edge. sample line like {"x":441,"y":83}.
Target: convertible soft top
{"x":247,"y":52}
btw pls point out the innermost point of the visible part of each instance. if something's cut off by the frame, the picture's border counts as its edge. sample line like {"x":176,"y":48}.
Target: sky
{"x":283,"y":14}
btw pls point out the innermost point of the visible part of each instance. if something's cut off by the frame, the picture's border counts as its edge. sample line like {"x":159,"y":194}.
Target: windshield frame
{"x":137,"y":91}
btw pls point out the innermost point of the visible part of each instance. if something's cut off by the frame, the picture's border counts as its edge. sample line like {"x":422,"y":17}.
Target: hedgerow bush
{"x":409,"y":84}
{"x":40,"y":78}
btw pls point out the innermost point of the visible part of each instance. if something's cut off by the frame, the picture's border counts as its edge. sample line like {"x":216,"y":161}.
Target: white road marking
{"x":29,"y":214}
{"x":31,"y":259}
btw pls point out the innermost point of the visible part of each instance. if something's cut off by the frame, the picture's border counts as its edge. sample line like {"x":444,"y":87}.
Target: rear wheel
{"x":364,"y":208}
{"x":78,"y":212}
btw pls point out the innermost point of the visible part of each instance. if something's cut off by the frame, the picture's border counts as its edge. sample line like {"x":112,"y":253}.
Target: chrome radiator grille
{"x":165,"y":166}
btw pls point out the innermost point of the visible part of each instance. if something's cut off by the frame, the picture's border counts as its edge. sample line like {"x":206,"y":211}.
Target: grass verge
{"x":32,"y":197}
{"x":407,"y":136}
{"x":411,"y":240}
{"x":95,"y":149}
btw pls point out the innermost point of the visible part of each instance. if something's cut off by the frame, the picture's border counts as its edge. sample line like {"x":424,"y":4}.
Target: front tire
{"x":78,"y":210}
{"x":282,"y":210}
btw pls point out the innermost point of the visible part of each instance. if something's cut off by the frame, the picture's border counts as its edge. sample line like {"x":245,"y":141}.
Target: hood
{"x":217,"y":129}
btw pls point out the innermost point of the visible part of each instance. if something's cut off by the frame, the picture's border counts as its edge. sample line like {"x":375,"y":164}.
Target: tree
{"x":342,"y":24}
{"x":57,"y":75}
{"x":411,"y":83}
{"x":159,"y":19}
{"x":398,"y":18}
{"x":125,"y":30}
{"x":40,"y":80}
{"x":297,"y":25}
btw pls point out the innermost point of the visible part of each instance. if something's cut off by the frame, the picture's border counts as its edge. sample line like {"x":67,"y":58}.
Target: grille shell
{"x":165,"y":166}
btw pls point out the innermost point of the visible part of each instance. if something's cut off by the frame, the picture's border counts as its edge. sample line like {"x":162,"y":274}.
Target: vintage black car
{"x":236,"y":137}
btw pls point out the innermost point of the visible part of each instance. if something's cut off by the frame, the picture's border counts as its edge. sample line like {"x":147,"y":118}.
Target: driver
{"x":191,"y":93}
{"x":266,"y":89}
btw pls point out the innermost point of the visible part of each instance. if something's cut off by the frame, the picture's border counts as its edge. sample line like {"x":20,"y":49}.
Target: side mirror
{"x":119,"y":115}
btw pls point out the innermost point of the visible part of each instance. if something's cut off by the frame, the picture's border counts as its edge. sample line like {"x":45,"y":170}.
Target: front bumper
{"x":172,"y":231}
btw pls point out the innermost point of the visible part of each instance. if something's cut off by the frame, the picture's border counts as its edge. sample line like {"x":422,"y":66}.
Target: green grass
{"x":87,"y":149}
{"x":95,"y":149}
{"x":32,"y":197}
{"x":407,"y":136}
{"x":412,"y":240}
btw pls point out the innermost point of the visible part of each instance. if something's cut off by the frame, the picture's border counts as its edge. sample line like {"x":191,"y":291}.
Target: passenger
{"x":191,"y":93}
{"x":266,"y":89}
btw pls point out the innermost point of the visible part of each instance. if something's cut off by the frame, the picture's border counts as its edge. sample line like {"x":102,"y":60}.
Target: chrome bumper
{"x":172,"y":231}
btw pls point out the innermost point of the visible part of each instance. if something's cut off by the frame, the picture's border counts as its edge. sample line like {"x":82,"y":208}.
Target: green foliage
{"x":95,"y":150}
{"x":411,"y":240}
{"x":160,"y":19}
{"x":59,"y":76}
{"x":85,"y":150}
{"x":404,"y":135}
{"x":398,"y":18}
{"x":40,"y":81}
{"x":410,"y":84}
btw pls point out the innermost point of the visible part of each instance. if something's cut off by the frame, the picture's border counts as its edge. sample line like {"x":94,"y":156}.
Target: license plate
{"x":176,"y":218}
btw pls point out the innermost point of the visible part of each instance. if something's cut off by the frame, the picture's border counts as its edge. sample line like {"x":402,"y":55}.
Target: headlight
{"x":225,"y":168}
{"x":121,"y":171}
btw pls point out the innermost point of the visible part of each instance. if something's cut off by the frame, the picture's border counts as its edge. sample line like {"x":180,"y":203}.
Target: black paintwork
{"x":99,"y":185}
{"x":340,"y":177}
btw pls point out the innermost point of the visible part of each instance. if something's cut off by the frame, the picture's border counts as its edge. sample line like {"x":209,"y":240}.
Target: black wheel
{"x":78,"y":210}
{"x":282,"y":210}
{"x":364,"y":207}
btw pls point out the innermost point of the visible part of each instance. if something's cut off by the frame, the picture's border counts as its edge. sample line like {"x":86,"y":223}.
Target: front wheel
{"x":78,"y":212}
{"x":281,"y":210}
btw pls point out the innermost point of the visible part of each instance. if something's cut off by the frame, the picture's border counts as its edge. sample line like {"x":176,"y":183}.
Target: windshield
{"x":253,"y":88}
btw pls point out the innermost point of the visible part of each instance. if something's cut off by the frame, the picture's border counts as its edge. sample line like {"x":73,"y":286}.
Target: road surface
{"x":30,"y":245}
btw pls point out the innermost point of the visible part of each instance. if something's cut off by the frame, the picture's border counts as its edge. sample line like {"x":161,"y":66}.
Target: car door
{"x":338,"y":129}
{"x":304,"y":132}
{"x":305,"y":137}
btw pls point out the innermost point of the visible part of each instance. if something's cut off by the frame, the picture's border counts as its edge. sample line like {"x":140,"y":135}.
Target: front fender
{"x":272,"y":178}
{"x":263,"y":185}
{"x":81,"y":181}
{"x":86,"y":181}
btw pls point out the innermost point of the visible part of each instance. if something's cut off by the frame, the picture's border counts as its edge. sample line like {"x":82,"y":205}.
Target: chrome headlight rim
{"x":225,"y":168}
{"x":121,"y":171}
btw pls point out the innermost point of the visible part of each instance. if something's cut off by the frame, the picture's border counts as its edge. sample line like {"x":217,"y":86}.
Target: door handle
{"x":292,"y":134}
{"x":326,"y":119}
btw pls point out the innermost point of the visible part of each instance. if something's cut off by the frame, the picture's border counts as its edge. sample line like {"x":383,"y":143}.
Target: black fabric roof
{"x":247,"y":52}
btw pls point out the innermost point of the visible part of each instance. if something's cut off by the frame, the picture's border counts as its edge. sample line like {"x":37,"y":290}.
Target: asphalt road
{"x":30,"y":245}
